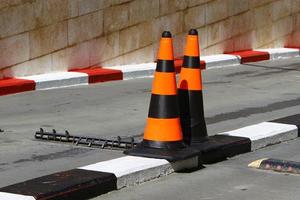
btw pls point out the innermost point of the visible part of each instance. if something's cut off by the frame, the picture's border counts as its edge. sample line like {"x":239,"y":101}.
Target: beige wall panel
{"x":171,"y":6}
{"x":173,"y":23}
{"x":78,"y":56}
{"x":116,"y":18}
{"x":60,"y":61}
{"x":242,"y":23}
{"x":263,"y":16}
{"x":14,"y":50}
{"x":282,"y":27}
{"x":50,"y":11}
{"x":135,"y":37}
{"x":257,"y":3}
{"x":16,"y":20}
{"x":192,"y":3}
{"x":104,"y":48}
{"x":237,"y":6}
{"x":194,"y":17}
{"x":85,"y":27}
{"x":225,"y":46}
{"x":244,"y":41}
{"x":219,"y":32}
{"x":143,"y":10}
{"x":281,"y":9}
{"x":37,"y":66}
{"x":142,"y":55}
{"x":48,"y":39}
{"x":216,"y":10}
{"x":262,"y":36}
{"x":88,"y":6}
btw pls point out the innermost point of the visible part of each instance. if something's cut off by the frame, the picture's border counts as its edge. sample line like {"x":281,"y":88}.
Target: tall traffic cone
{"x":190,"y":93}
{"x":162,"y":136}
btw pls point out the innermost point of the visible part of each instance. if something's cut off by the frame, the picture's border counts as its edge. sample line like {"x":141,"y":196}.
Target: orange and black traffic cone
{"x":190,"y":93}
{"x":162,"y":136}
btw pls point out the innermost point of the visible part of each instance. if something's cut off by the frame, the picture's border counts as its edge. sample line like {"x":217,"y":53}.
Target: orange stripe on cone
{"x":165,"y":51}
{"x":164,"y":83}
{"x":190,"y":79}
{"x":164,"y":130}
{"x":191,"y":47}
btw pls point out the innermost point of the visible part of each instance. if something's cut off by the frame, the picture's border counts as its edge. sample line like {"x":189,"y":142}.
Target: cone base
{"x":219,"y":147}
{"x":163,"y":145}
{"x":171,"y":155}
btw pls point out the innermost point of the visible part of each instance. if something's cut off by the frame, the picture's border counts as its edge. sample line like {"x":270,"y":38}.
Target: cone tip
{"x":193,"y":32}
{"x":166,"y":34}
{"x":256,"y":163}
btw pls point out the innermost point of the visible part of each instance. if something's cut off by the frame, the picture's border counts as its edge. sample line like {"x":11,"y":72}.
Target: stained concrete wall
{"x":41,"y":36}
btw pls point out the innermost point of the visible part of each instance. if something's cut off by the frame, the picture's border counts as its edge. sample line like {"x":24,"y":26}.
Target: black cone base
{"x":171,"y":155}
{"x":219,"y":147}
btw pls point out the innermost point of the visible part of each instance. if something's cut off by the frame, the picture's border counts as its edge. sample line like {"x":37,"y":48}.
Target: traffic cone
{"x":190,"y":93}
{"x":162,"y":135}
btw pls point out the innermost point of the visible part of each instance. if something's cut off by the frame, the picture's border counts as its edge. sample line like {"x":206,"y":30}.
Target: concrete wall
{"x":40,"y":36}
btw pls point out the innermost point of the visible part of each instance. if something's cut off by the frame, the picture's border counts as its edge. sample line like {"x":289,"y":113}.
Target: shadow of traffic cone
{"x":162,"y":135}
{"x":190,"y":93}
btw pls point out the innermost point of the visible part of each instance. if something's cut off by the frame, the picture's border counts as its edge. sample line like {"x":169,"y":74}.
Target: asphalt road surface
{"x":233,"y":97}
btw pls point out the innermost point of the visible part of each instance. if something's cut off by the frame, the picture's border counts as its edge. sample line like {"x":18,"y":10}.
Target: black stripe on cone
{"x":163,"y":106}
{"x":192,"y":62}
{"x":76,"y":184}
{"x":192,"y":116}
{"x":165,"y":66}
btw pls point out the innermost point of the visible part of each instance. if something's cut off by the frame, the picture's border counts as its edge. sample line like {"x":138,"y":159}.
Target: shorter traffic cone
{"x":162,"y":135}
{"x":213,"y":148}
{"x":190,"y":93}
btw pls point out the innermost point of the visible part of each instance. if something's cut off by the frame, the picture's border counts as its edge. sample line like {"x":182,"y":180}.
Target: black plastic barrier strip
{"x":76,"y":184}
{"x":292,"y":120}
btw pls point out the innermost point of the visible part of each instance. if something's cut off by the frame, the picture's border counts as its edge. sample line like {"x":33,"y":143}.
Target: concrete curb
{"x":125,"y":72}
{"x":266,"y":133}
{"x":55,"y":80}
{"x":102,"y":177}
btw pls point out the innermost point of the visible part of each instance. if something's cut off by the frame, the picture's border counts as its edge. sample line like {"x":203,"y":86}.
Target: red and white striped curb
{"x":98,"y":74}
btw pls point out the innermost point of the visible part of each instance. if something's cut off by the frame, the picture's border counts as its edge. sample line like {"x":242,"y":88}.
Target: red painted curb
{"x":98,"y":74}
{"x":251,"y":56}
{"x":14,"y":85}
{"x":178,"y":63}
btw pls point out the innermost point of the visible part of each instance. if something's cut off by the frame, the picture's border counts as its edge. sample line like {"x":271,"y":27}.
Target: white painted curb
{"x":266,"y":133}
{"x":10,"y":196}
{"x":132,"y":170}
{"x":65,"y":79}
{"x":281,"y":53}
{"x":60,"y":79}
{"x":136,"y":70}
{"x":220,"y":60}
